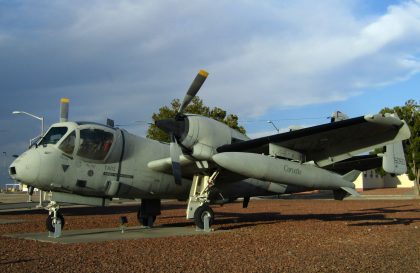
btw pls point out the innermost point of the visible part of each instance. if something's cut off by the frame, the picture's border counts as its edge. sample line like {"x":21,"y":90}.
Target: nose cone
{"x":25,"y":168}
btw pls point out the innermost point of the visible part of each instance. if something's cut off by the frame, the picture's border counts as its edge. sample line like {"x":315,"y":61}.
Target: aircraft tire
{"x":144,"y":219}
{"x":49,"y":222}
{"x":199,"y":214}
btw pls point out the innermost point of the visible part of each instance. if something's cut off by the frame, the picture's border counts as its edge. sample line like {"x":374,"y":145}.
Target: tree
{"x":410,"y":112}
{"x":195,"y":107}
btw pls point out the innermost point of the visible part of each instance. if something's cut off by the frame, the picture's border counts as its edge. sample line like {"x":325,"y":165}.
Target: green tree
{"x":410,"y":112}
{"x":195,"y":107}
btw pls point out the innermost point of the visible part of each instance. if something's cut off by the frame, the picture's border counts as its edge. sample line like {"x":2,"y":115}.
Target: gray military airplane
{"x":206,"y":162}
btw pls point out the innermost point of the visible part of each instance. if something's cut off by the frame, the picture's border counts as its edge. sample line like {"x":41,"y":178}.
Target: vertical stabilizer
{"x":394,"y":159}
{"x":338,"y":116}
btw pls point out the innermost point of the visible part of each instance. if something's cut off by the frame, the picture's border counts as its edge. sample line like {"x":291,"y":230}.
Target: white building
{"x":372,"y":180}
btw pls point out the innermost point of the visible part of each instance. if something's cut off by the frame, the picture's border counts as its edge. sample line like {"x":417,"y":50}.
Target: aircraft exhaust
{"x":64,"y":109}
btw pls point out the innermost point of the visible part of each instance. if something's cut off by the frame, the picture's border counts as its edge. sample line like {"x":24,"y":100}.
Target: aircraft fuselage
{"x":48,"y":166}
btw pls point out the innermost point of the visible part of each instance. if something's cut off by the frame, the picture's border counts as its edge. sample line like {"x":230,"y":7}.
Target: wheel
{"x":49,"y":222}
{"x":199,"y":215}
{"x":144,"y":220}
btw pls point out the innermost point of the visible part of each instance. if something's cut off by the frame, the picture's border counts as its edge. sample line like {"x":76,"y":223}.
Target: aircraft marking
{"x":291,"y":170}
{"x":111,"y":168}
{"x":120,"y":175}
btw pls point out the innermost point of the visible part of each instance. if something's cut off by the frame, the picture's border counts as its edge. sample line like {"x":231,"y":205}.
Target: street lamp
{"x":30,"y":142}
{"x":275,"y":127}
{"x":32,"y":115}
{"x":5,"y":155}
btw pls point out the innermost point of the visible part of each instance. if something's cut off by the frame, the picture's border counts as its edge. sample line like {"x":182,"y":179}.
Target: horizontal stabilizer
{"x":351,"y":176}
{"x":343,"y":192}
{"x":351,"y":191}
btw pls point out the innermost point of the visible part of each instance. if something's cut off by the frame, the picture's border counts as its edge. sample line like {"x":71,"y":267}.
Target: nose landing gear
{"x":55,"y":219}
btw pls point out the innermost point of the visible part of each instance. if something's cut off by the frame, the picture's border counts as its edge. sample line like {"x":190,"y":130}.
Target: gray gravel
{"x":269,"y":236}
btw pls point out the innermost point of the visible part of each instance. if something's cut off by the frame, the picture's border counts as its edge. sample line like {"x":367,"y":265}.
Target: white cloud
{"x":330,"y":65}
{"x":125,"y":59}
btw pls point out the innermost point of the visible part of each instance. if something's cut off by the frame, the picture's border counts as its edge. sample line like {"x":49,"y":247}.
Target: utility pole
{"x":4,"y":164}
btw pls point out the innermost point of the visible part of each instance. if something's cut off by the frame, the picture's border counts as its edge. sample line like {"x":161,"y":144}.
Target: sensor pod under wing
{"x":284,"y":171}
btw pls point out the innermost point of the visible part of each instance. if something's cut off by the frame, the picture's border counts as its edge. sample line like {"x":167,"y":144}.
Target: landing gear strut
{"x":198,"y":203}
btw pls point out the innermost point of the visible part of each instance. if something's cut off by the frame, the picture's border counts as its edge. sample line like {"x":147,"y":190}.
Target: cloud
{"x":333,"y":64}
{"x":125,"y":59}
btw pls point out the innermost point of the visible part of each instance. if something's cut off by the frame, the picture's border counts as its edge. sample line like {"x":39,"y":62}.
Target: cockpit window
{"x":67,"y":145}
{"x":94,"y":143}
{"x":53,"y":135}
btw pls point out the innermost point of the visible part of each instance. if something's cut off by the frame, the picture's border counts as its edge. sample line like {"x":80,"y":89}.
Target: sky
{"x":291,"y":62}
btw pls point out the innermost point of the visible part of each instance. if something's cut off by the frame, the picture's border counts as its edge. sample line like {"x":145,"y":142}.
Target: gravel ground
{"x":269,"y":236}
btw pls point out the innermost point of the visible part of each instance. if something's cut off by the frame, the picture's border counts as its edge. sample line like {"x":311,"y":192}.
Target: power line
{"x":134,"y":123}
{"x":284,"y":119}
{"x":142,"y":122}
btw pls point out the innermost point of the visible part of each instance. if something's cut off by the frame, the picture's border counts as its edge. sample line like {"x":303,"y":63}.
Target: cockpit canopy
{"x":53,"y":135}
{"x":94,"y":143}
{"x":90,"y":141}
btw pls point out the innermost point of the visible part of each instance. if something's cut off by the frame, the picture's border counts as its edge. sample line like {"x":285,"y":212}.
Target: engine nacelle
{"x":204,"y":135}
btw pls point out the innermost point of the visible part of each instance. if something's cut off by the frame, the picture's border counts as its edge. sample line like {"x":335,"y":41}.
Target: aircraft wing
{"x":328,"y":143}
{"x":360,"y":163}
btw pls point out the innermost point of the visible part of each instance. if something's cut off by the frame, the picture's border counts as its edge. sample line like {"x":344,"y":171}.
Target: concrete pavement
{"x":110,"y":234}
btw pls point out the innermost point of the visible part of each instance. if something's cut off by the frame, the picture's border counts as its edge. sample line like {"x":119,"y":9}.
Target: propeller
{"x":175,"y":152}
{"x":193,"y":90}
{"x":176,"y":127}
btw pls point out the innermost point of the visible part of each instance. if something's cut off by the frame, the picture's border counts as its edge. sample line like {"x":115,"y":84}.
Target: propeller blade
{"x":177,"y":126}
{"x":193,"y":90}
{"x":175,"y":152}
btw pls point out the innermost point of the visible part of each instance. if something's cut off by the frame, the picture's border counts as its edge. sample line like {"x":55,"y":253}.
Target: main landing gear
{"x":149,"y":209}
{"x":204,"y":217}
{"x":198,"y":203}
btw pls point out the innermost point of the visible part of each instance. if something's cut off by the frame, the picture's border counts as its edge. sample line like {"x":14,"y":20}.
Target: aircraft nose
{"x":25,"y":168}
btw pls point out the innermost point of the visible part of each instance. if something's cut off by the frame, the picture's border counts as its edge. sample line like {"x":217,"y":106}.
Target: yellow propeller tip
{"x":203,"y":73}
{"x":64,"y":100}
